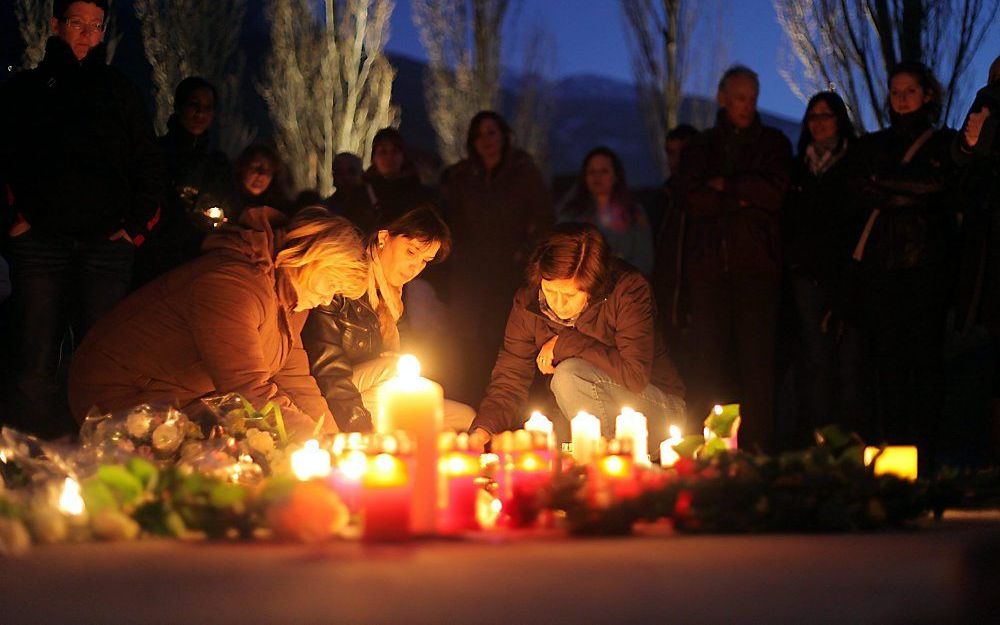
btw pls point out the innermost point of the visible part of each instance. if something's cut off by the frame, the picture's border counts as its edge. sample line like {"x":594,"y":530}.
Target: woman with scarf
{"x":602,"y":199}
{"x":588,"y":320}
{"x":820,"y":229}
{"x":353,"y":344}
{"x":903,"y":178}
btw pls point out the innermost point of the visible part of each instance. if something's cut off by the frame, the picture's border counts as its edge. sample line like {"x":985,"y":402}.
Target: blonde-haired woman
{"x":227,"y":322}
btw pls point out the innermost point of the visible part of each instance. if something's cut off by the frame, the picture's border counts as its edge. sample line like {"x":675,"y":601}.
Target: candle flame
{"x":408,"y":367}
{"x":3,"y":457}
{"x":675,"y":432}
{"x":215,"y":213}
{"x":311,"y":461}
{"x":717,"y":409}
{"x":354,"y":465}
{"x":70,"y":500}
{"x":384,"y":463}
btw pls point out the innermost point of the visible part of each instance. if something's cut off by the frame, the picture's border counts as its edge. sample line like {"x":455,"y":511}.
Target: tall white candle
{"x":632,"y":425}
{"x":586,"y":431}
{"x":669,"y":457}
{"x":415,"y":405}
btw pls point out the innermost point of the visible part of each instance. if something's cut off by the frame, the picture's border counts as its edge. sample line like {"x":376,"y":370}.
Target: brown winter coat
{"x":737,"y":231}
{"x":223,"y":323}
{"x":616,"y":332}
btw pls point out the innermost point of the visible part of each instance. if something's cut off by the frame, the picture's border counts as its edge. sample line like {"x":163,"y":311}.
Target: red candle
{"x":345,"y":479}
{"x":386,"y":499}
{"x":459,"y":470}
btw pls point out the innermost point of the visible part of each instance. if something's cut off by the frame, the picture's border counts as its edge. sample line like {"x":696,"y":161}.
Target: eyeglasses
{"x":819,"y":117}
{"x":79,"y":25}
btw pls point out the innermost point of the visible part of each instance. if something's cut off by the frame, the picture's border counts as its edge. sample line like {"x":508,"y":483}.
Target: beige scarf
{"x":386,"y":300}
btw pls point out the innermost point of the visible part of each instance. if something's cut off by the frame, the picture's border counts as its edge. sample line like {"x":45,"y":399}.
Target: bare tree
{"x":535,"y":98}
{"x":852,"y":45}
{"x":33,"y":22}
{"x":662,"y":34}
{"x":192,"y":38}
{"x":462,"y":39}
{"x":327,"y":83}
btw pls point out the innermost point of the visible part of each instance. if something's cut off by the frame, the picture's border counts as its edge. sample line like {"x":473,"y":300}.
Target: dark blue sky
{"x":590,"y":39}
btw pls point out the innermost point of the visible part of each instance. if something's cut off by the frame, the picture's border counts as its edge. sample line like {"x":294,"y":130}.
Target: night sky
{"x":590,"y":39}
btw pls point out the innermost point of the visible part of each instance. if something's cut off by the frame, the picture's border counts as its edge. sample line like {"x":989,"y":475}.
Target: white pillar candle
{"x":415,"y":405}
{"x":586,"y":430}
{"x":539,"y":423}
{"x":668,"y":456}
{"x":633,"y":426}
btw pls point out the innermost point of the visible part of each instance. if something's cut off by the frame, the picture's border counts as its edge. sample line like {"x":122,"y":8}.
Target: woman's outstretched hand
{"x":545,"y":357}
{"x":478,"y":440}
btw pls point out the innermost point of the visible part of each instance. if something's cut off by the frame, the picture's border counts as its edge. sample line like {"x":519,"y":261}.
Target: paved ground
{"x":924,"y":576}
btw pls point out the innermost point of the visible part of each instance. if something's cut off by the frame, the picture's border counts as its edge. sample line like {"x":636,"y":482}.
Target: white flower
{"x":259,"y":440}
{"x":138,"y":424}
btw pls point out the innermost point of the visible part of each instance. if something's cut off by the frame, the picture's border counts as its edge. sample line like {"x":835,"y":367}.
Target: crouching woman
{"x":586,"y":319}
{"x":353,"y":344}
{"x":226,"y":322}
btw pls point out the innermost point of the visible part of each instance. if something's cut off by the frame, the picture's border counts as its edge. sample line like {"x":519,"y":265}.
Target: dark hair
{"x":186,"y":88}
{"x":59,"y":7}
{"x":389,"y":135}
{"x":478,"y":118}
{"x":845,"y":127}
{"x":619,"y":192}
{"x":260,"y":150}
{"x":739,"y":70}
{"x":681,"y":132}
{"x":994,"y":75}
{"x":923,"y":74}
{"x":423,"y":224}
{"x":574,"y":251}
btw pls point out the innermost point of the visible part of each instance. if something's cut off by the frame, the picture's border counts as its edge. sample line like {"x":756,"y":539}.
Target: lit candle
{"x":70,"y":501}
{"x":415,"y":405}
{"x":900,"y":461}
{"x":310,"y":461}
{"x":345,"y":479}
{"x":539,"y":423}
{"x":669,"y":456}
{"x":632,"y":425}
{"x":586,"y":431}
{"x":216,"y":215}
{"x":386,"y":499}
{"x":459,"y":469}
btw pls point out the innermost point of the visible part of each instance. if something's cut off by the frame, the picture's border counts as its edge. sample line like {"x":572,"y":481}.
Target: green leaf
{"x":689,"y":445}
{"x":712,"y":447}
{"x":833,"y":436}
{"x":145,"y":471}
{"x":126,"y":487}
{"x":721,"y":424}
{"x":97,"y":496}
{"x":224,"y":495}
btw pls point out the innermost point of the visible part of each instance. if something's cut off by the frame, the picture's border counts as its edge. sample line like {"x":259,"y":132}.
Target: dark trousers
{"x":61,"y":287}
{"x":734,"y":321}
{"x":829,"y":368}
{"x":904,"y":322}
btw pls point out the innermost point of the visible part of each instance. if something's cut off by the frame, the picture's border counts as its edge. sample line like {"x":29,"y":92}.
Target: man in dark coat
{"x":732,"y":183}
{"x":86,"y":181}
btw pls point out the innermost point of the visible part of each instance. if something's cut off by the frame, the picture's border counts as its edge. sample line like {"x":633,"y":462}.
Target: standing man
{"x":732,"y":182}
{"x":86,"y":182}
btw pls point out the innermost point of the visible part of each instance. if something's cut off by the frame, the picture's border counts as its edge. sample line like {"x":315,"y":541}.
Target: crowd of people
{"x":147,"y":269}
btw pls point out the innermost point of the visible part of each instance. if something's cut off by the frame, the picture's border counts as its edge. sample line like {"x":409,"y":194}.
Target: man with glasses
{"x":85,"y":182}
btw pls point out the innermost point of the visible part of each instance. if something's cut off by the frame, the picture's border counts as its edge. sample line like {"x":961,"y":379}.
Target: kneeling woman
{"x":352,"y":343}
{"x":586,"y":319}
{"x":226,"y":322}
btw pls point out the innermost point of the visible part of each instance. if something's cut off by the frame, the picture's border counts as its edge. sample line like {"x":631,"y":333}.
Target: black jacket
{"x":916,"y":223}
{"x":736,"y":231}
{"x":821,"y":221}
{"x":336,"y":338}
{"x":78,"y":149}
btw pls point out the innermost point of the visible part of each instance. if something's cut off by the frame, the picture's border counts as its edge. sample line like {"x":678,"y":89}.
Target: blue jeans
{"x":61,"y":287}
{"x":579,"y":385}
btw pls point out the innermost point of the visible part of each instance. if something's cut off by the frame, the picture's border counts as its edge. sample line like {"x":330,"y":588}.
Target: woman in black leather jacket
{"x":353,"y":344}
{"x":903,"y":179}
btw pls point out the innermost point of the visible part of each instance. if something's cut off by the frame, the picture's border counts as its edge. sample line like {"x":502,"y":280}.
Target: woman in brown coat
{"x":586,"y":319}
{"x":227,"y":322}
